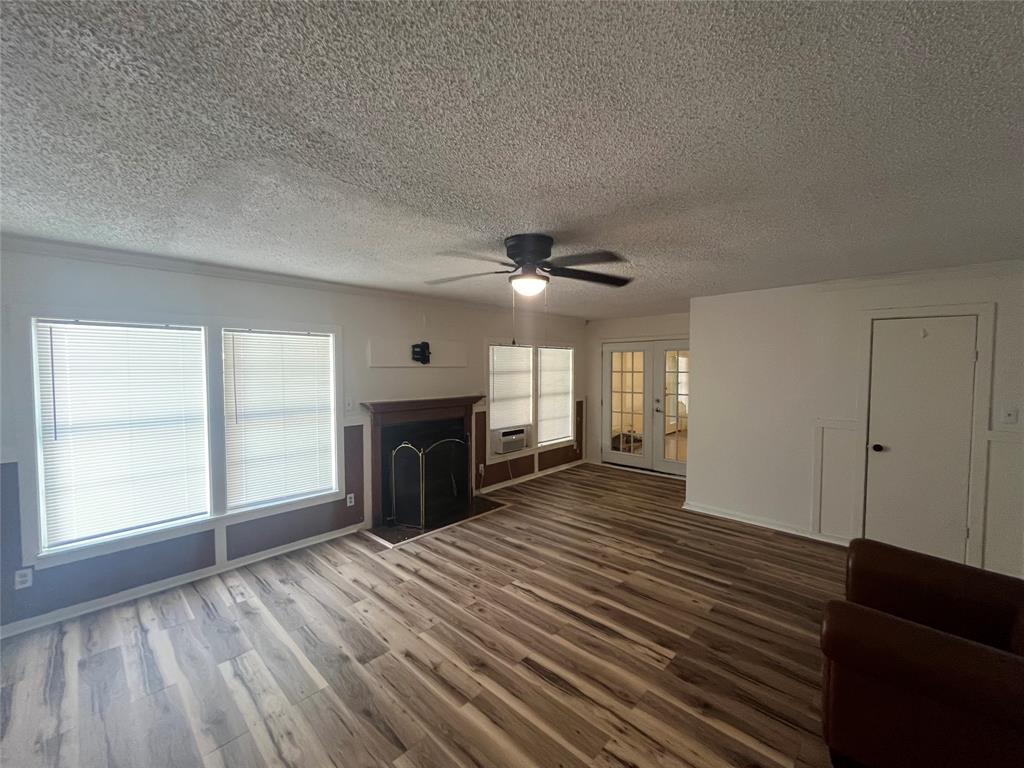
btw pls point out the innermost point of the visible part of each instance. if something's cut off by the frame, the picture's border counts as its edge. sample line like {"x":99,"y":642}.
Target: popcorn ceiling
{"x":718,"y":146}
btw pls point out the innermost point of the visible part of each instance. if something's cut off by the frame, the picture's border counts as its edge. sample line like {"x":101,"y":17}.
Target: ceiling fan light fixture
{"x":529,"y":283}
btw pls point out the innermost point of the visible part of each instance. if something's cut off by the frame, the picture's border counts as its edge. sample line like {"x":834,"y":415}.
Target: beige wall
{"x":650,"y":327}
{"x":38,"y":279}
{"x":772,"y":367}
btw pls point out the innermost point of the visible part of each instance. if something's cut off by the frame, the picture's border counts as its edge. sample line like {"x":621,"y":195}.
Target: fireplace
{"x":424,"y":473}
{"x":421,"y":460}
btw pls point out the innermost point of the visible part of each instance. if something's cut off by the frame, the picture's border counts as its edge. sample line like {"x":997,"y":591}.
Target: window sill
{"x":173,"y":530}
{"x":106,"y":545}
{"x":556,"y":443}
{"x":498,"y":458}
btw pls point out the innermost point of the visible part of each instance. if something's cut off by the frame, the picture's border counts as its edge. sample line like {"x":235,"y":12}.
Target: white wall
{"x":770,"y":366}
{"x":38,"y":278}
{"x":649,"y":327}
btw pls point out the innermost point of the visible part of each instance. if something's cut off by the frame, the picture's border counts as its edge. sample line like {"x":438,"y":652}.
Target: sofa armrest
{"x":900,"y":653}
{"x":959,"y":599}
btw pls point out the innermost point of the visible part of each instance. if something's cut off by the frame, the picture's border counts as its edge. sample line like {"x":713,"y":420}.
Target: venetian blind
{"x":554,"y":394}
{"x":278,"y":415}
{"x":511,"y":386}
{"x":122,"y":427}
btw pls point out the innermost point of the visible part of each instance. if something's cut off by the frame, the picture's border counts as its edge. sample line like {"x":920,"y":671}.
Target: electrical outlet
{"x":350,"y":500}
{"x":23,"y":578}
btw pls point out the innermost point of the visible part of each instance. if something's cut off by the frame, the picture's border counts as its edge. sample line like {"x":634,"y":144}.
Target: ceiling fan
{"x":531,"y":265}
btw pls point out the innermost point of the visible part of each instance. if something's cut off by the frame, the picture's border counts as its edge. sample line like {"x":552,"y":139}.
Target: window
{"x":513,"y":386}
{"x":121,"y":418}
{"x":278,"y":416}
{"x":511,"y":395}
{"x":554,"y":395}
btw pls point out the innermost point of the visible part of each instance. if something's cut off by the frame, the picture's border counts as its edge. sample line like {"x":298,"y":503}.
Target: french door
{"x":646,"y":403}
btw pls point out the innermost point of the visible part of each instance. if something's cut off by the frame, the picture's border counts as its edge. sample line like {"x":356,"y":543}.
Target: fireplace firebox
{"x":425,"y":473}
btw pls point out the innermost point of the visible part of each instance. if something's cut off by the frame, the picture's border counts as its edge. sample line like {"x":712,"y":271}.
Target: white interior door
{"x":645,"y":403}
{"x":670,"y":427}
{"x":919,"y":433}
{"x":628,"y":384}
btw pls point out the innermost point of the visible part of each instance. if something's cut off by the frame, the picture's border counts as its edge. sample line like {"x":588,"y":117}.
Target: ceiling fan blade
{"x":475,"y":257}
{"x":582,"y":259}
{"x":588,"y":276}
{"x":443,"y":280}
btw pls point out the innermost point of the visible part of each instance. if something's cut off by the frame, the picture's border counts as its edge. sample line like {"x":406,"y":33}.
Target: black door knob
{"x":877,"y":447}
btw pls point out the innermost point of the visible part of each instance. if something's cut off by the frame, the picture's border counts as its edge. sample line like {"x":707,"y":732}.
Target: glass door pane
{"x":677,"y":404}
{"x":627,"y":396}
{"x":670,"y":431}
{"x":627,"y":400}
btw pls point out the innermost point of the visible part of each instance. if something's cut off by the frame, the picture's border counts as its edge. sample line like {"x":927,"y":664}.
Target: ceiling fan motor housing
{"x":528,"y":248}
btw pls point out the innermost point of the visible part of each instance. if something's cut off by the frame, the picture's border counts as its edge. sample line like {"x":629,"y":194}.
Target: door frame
{"x":658,"y":460}
{"x":652,"y":348}
{"x":980,"y":420}
{"x":645,"y":460}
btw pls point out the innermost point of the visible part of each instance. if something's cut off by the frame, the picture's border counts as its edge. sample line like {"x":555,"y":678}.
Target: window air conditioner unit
{"x":511,"y":439}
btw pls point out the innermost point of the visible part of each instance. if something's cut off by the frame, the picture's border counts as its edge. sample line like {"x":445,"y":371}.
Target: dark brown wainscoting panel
{"x":64,"y":585}
{"x":501,"y":471}
{"x":565,"y":454}
{"x":354,"y":462}
{"x":264,"y":533}
{"x":252,"y":536}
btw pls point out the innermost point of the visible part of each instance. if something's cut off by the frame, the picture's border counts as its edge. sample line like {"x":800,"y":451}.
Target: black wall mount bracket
{"x":421,"y":353}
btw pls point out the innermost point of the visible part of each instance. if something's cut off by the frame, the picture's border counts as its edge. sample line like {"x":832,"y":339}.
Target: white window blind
{"x":554,"y":395}
{"x":122,"y":428}
{"x":511,"y":391}
{"x":278,"y":415}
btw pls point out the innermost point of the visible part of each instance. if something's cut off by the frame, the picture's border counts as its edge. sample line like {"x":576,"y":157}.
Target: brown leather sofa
{"x":924,"y":664}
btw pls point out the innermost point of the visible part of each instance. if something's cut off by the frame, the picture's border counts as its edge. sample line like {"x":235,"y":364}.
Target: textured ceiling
{"x":720,"y":147}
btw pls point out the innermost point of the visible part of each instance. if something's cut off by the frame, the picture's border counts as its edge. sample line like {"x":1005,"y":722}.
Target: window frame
{"x":38,"y":439}
{"x":537,"y":447}
{"x":533,"y":382}
{"x":336,"y":477}
{"x":23,"y":447}
{"x":572,"y":397}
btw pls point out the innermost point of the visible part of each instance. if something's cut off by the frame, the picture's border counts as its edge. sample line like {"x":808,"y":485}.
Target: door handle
{"x":877,"y":447}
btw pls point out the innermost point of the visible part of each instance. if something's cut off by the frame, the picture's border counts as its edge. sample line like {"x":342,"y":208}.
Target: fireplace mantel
{"x":387,"y":412}
{"x":421,"y":404}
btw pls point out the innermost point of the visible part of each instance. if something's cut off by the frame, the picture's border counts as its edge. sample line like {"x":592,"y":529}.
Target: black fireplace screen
{"x":429,"y":486}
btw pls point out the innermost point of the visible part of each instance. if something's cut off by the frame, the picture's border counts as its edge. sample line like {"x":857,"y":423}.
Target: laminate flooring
{"x":591,"y":622}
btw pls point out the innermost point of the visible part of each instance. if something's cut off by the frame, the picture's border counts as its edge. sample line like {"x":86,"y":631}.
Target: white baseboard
{"x":80,"y":609}
{"x":638,"y":470}
{"x":763,"y":522}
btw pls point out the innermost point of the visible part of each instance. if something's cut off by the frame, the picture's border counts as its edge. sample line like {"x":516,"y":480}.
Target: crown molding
{"x":13,"y":243}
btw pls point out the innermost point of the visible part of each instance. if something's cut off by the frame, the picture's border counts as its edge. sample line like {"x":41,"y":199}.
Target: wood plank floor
{"x":589,"y":623}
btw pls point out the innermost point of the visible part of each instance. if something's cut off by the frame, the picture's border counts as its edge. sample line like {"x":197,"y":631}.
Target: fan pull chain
{"x":513,"y":317}
{"x":546,"y":323}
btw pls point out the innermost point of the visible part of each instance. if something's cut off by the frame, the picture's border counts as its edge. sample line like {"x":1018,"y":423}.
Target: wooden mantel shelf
{"x":421,"y":404}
